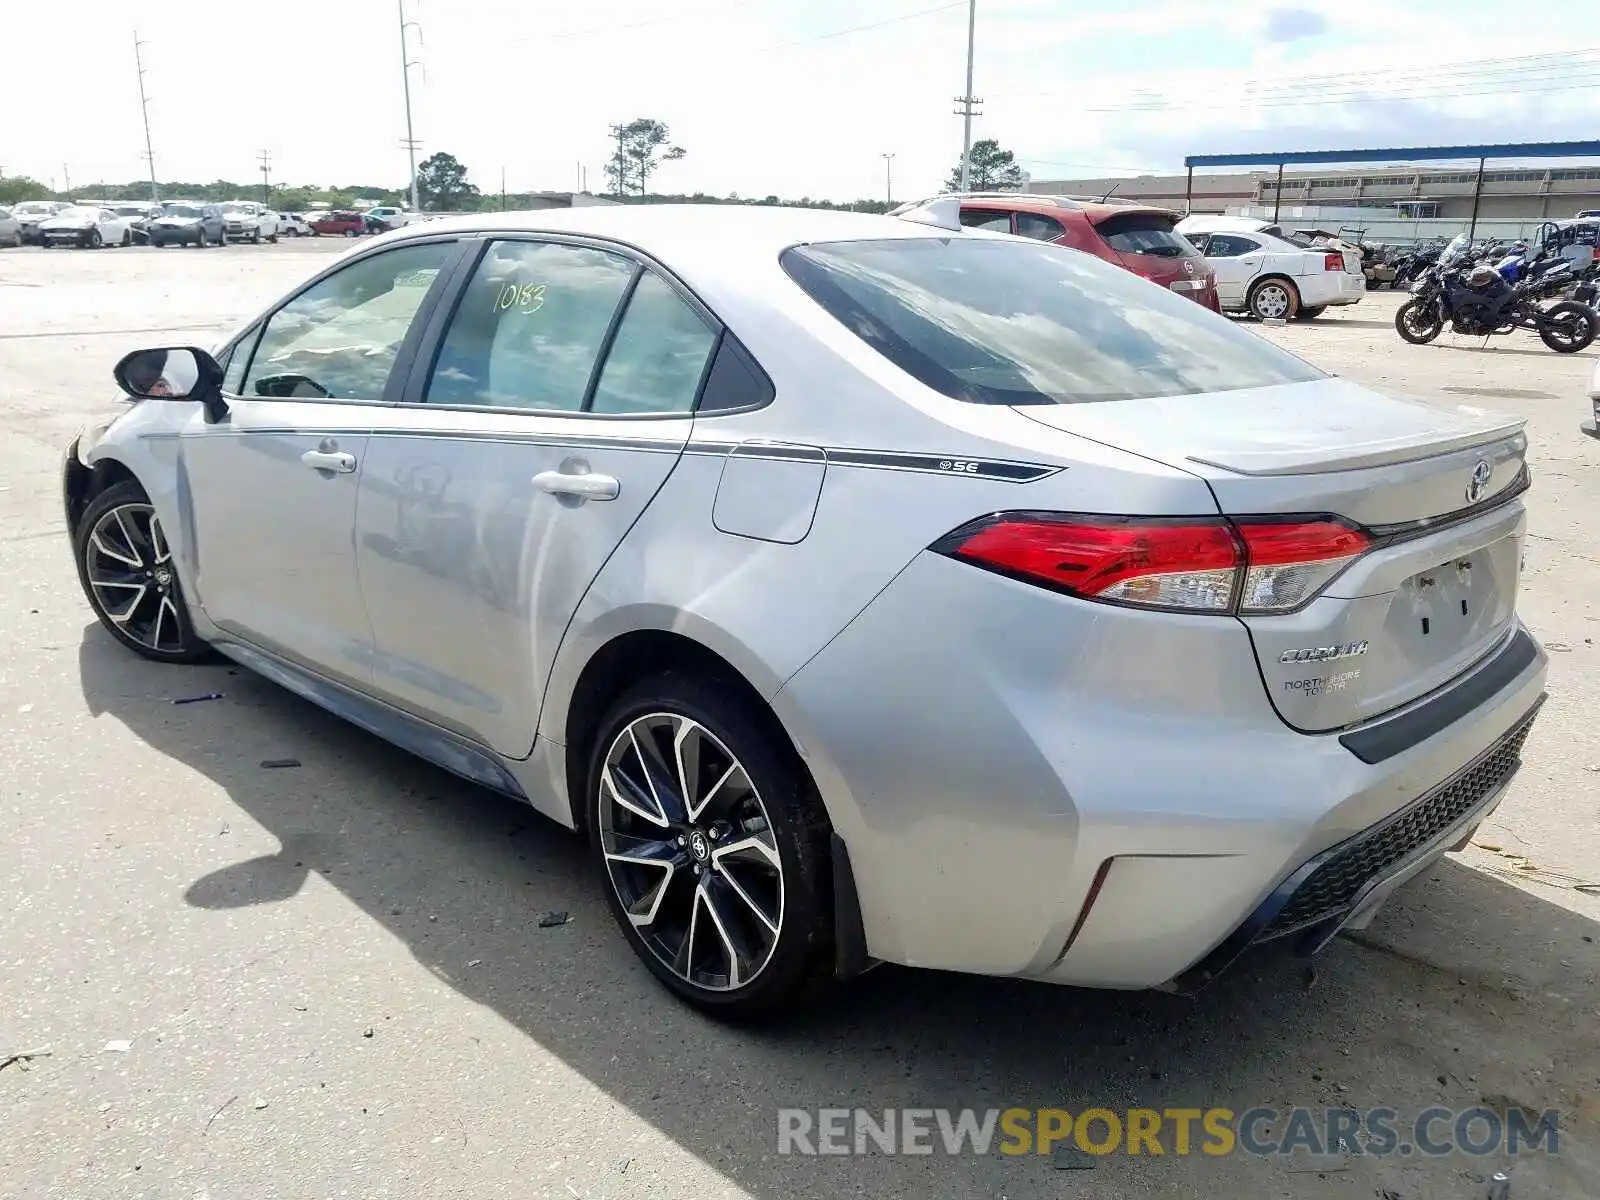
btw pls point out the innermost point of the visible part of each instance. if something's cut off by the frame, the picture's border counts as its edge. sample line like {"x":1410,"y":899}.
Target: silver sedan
{"x":861,"y":590}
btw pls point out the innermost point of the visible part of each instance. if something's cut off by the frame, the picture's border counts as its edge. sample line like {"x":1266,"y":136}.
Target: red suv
{"x":1136,"y":237}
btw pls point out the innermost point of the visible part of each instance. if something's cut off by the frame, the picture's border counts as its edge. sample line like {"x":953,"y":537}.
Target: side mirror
{"x":174,"y":373}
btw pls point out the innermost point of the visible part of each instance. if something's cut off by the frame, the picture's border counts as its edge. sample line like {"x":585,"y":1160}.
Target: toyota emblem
{"x":1188,"y":267}
{"x":1478,"y":485}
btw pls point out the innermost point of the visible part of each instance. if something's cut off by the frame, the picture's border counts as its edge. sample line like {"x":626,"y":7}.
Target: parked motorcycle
{"x":1477,"y":301}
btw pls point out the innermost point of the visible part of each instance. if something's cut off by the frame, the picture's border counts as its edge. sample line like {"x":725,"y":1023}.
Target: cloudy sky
{"x":794,"y":97}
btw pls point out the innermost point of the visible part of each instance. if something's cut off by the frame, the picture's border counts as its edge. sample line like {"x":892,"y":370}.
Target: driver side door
{"x":270,"y":489}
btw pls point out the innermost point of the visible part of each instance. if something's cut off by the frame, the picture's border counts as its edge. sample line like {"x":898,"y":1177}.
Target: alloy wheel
{"x":128,"y":564}
{"x":690,"y":851}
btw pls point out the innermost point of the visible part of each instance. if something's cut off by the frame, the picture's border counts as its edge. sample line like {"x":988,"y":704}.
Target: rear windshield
{"x":1145,"y":233}
{"x":1002,"y":321}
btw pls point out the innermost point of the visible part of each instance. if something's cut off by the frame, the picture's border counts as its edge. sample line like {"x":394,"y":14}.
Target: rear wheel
{"x":1273,"y":299}
{"x":714,"y":846}
{"x":94,"y":240}
{"x":1310,"y":313}
{"x":1568,"y":327}
{"x":1418,"y":321}
{"x":126,"y":568}
{"x":127,"y":237}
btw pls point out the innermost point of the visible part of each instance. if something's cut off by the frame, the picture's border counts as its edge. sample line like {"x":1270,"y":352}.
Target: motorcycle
{"x":1479,"y":302}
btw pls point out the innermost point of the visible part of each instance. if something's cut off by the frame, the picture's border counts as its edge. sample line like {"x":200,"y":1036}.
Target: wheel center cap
{"x":163,"y":576}
{"x":699,"y":846}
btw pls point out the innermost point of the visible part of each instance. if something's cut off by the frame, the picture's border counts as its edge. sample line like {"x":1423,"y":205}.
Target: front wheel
{"x":1568,"y":327}
{"x":272,"y":238}
{"x":1273,"y":299}
{"x":1418,"y":321}
{"x":714,"y":846}
{"x":125,"y":566}
{"x":95,"y":240}
{"x":127,"y":238}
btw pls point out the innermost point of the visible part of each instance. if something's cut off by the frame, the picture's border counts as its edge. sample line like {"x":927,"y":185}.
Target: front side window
{"x":996,"y":321}
{"x":339,"y":338}
{"x":530,"y":327}
{"x":658,"y":356}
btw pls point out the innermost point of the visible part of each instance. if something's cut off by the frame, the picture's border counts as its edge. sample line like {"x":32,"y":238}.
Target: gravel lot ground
{"x":331,"y":981}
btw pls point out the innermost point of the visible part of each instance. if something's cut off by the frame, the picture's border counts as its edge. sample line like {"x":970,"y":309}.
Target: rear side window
{"x":658,"y":356}
{"x":1032,"y":225}
{"x":986,"y":218}
{"x":530,"y":327}
{"x":1013,"y":322}
{"x":1145,"y":233}
{"x":1229,"y":245}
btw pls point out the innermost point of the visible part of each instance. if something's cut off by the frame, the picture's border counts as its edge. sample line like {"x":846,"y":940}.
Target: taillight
{"x":1199,"y":564}
{"x":1288,"y":562}
{"x":1333,"y":262}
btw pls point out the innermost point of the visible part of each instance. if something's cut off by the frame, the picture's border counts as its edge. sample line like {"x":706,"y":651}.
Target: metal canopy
{"x":1399,"y":154}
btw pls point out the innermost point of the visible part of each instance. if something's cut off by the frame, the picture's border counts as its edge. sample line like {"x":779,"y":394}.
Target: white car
{"x":30,"y":214}
{"x":10,"y":229}
{"x":87,"y":227}
{"x":293,"y":225}
{"x":390,"y":217}
{"x":247,"y":221}
{"x":1261,"y":272}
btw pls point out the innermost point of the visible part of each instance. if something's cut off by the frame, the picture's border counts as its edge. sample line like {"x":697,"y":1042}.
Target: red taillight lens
{"x":1333,"y":262}
{"x":1191,"y":564}
{"x":1202,"y":564}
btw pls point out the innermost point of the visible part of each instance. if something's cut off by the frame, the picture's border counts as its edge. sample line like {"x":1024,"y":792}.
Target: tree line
{"x":641,"y":146}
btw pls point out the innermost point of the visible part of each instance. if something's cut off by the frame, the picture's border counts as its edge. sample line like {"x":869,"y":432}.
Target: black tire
{"x":1263,"y":301}
{"x":1310,"y":313}
{"x":272,"y":238}
{"x":255,"y":238}
{"x":127,"y":237}
{"x":779,"y":806}
{"x":1566,"y":317}
{"x":158,"y":243}
{"x":174,"y":638}
{"x":1418,"y":332}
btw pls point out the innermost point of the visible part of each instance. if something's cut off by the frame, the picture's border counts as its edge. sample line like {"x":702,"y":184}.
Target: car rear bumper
{"x":1035,"y":786}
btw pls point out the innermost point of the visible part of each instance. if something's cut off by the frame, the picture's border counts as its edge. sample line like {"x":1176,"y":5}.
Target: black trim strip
{"x":1378,"y":743}
{"x":1402,"y":531}
{"x":887,"y":460}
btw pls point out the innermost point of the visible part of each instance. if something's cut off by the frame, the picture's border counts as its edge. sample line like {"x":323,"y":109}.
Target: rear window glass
{"x":1019,"y":322}
{"x":1145,"y":233}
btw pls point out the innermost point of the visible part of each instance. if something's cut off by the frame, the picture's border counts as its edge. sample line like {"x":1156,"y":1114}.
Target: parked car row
{"x":93,"y":223}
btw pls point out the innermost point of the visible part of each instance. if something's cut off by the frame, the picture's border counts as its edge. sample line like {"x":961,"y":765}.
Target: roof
{"x":1399,"y":154}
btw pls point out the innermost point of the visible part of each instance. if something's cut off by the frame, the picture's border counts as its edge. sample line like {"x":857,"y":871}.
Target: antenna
{"x":144,"y":110}
{"x":1114,"y":187}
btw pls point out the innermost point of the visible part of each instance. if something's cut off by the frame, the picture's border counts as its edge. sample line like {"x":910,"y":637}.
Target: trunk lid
{"x":1436,"y":487}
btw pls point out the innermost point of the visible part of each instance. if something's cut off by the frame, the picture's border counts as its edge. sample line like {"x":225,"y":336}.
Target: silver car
{"x":861,"y":590}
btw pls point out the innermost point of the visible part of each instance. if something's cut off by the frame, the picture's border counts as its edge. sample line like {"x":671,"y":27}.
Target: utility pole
{"x":66,"y":179}
{"x":888,"y":178}
{"x":502,"y":189}
{"x":969,"y":103}
{"x":144,"y":111}
{"x":264,"y":157}
{"x":405,"y":75}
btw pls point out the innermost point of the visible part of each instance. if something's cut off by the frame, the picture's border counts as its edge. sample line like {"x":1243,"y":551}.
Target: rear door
{"x":556,"y":400}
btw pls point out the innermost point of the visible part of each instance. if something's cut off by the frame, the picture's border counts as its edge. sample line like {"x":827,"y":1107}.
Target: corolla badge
{"x":1478,"y":485}
{"x":1315,"y":654}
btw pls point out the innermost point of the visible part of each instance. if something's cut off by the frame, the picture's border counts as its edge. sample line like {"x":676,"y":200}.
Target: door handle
{"x":337,"y":461}
{"x":587,"y":486}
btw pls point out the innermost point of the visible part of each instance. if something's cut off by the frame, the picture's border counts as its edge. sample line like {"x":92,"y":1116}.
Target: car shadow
{"x":1465,"y":992}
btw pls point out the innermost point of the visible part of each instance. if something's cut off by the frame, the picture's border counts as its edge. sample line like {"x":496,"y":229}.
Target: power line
{"x":838,"y":33}
{"x":1353,"y":99}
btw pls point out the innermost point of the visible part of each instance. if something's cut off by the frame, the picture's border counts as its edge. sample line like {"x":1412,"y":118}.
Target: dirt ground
{"x":330,"y":980}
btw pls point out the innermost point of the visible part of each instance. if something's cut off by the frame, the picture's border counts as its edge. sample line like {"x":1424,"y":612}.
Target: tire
{"x":255,"y":238}
{"x":272,"y":239}
{"x":1418,"y":332}
{"x":1567,"y":316}
{"x":119,"y":526}
{"x":1272,"y":298}
{"x":1310,"y":313}
{"x":681,"y":927}
{"x":158,"y":243}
